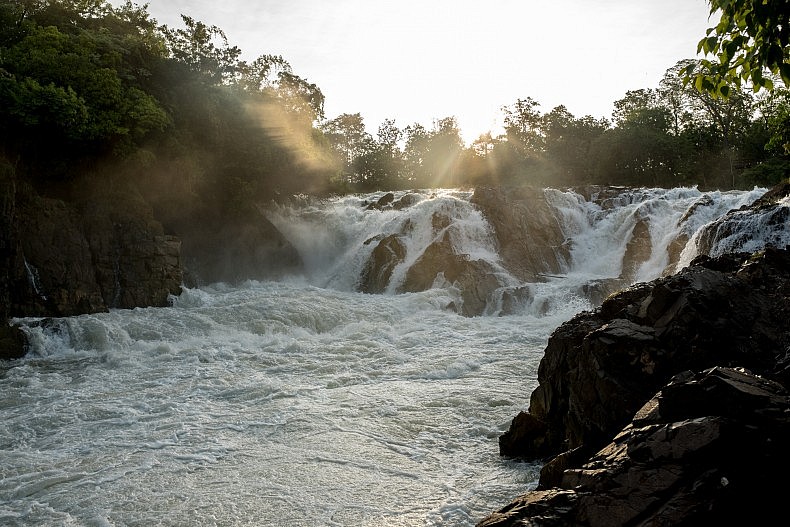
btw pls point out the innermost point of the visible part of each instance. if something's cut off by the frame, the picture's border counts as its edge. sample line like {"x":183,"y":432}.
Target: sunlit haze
{"x":417,"y":60}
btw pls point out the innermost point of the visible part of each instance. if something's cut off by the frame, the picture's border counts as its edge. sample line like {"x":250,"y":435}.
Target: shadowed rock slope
{"x":665,"y":404}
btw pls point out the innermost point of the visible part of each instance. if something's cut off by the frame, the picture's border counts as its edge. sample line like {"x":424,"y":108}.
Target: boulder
{"x":476,"y":279}
{"x":527,"y":233}
{"x":697,"y":453}
{"x":388,"y":253}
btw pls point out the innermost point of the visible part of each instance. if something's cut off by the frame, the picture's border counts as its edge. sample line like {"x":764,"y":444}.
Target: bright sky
{"x":420,"y":60}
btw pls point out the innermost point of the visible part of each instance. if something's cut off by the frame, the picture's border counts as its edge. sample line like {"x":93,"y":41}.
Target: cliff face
{"x":86,"y":256}
{"x":646,"y":405}
{"x":105,"y":249}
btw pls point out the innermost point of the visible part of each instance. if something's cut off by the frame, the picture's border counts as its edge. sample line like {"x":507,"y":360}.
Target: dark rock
{"x":12,"y":342}
{"x":406,"y":201}
{"x":383,"y":202}
{"x":695,"y":454}
{"x":388,"y":253}
{"x":476,"y":279}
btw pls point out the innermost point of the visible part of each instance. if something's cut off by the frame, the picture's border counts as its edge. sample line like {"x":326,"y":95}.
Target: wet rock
{"x":476,"y":279}
{"x":406,"y":201}
{"x":528,"y":234}
{"x":105,"y":250}
{"x":383,"y":202}
{"x":12,"y":342}
{"x":637,"y":251}
{"x":764,"y":223}
{"x":601,"y":366}
{"x":388,"y":253}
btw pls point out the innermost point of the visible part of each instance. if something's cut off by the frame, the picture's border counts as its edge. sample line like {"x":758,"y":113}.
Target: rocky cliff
{"x":84,"y":256}
{"x":104,"y":248}
{"x":667,"y":403}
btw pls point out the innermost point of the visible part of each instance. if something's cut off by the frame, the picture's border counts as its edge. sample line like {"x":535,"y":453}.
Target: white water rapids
{"x":303,"y":402}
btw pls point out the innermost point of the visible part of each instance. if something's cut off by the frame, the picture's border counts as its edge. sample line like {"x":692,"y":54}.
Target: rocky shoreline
{"x":668,"y":405}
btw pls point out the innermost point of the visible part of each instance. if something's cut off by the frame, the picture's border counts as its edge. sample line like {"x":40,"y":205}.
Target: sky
{"x":416,"y":61}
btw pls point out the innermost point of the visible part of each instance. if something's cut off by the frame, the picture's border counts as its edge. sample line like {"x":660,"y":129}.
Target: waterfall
{"x":613,"y":237}
{"x":34,"y":280}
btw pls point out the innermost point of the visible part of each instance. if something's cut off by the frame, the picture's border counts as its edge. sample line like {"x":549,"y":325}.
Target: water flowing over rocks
{"x":68,"y":258}
{"x":643,"y":404}
{"x":529,"y":237}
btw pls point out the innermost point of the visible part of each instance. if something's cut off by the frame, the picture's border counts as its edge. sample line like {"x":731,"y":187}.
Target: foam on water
{"x":304,"y":402}
{"x":269,"y":404}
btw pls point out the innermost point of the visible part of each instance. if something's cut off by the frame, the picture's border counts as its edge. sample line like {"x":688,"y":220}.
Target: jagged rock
{"x":59,"y":277}
{"x":406,"y":201}
{"x":601,"y":366}
{"x":476,"y":279}
{"x":694,"y":454}
{"x":735,"y":231}
{"x":12,"y":342}
{"x":388,"y":253}
{"x":383,"y":202}
{"x":528,"y":235}
{"x":135,"y":262}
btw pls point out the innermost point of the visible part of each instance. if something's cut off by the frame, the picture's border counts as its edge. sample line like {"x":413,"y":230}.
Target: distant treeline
{"x":91,"y":92}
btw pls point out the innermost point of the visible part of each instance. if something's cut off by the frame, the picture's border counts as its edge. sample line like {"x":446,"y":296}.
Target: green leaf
{"x":784,"y":71}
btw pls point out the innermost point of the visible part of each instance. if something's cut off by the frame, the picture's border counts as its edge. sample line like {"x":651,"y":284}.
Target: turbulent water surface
{"x":302,"y":402}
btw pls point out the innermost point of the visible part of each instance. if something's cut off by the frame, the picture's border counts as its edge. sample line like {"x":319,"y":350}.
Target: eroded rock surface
{"x":713,"y":341}
{"x":697,"y":453}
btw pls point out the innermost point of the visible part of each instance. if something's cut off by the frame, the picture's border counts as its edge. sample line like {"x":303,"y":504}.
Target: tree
{"x":523,"y":126}
{"x":752,"y":37}
{"x":204,"y":49}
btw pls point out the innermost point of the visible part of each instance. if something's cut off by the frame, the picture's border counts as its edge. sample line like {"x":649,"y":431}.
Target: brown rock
{"x":528,"y":234}
{"x":388,"y":253}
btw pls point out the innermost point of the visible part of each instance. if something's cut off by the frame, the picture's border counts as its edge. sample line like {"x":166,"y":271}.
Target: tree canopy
{"x":751,"y":39}
{"x":91,"y":91}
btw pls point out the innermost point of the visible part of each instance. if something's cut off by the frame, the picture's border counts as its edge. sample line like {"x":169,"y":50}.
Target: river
{"x":301,"y":401}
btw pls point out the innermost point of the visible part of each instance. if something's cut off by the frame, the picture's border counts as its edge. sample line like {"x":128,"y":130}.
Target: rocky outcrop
{"x":765,"y":222}
{"x":602,"y":367}
{"x":694,"y":454}
{"x":386,"y":255}
{"x":475,"y":279}
{"x":528,"y":235}
{"x":102,"y":250}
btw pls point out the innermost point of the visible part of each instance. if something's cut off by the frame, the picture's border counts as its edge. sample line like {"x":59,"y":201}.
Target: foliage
{"x":202,"y":133}
{"x":751,"y":38}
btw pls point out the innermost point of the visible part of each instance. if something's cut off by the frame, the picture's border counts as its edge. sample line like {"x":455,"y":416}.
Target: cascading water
{"x":306,"y":402}
{"x":334,"y":236}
